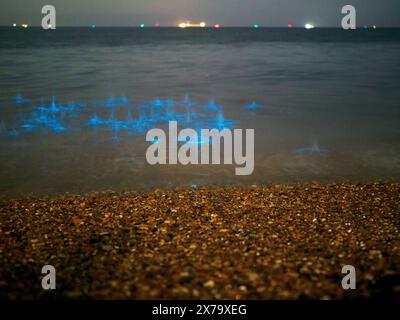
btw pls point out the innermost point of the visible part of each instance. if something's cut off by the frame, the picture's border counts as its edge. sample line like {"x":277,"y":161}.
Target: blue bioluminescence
{"x":254,"y":106}
{"x":95,"y":121}
{"x":57,"y":127}
{"x":29,"y":127}
{"x":313,"y":149}
{"x":54,"y":107}
{"x":188,"y":103}
{"x":55,"y":116}
{"x":219,"y":122}
{"x":113,"y":102}
{"x":170,"y":114}
{"x":13,"y":133}
{"x":73,"y":105}
{"x":212,"y":106}
{"x":145,"y":111}
{"x":191,"y":116}
{"x":158,"y":104}
{"x":116,"y":138}
{"x":72,"y":108}
{"x":169,"y":103}
{"x":46,"y":117}
{"x":20,"y":100}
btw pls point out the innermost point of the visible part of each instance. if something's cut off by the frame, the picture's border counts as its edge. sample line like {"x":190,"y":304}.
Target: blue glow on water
{"x":47,"y":117}
{"x":309,"y":150}
{"x":57,"y":116}
{"x":113,"y":102}
{"x":212,"y":106}
{"x":13,"y":133}
{"x":254,"y":106}
{"x":28,"y":127}
{"x":188,"y":103}
{"x":57,"y":127}
{"x":157,"y":104}
{"x":170,"y":103}
{"x":217,"y":122}
{"x":95,"y":121}
{"x":18,"y":99}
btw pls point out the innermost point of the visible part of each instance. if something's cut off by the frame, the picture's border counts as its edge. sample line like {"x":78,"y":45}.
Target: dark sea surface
{"x":76,"y":103}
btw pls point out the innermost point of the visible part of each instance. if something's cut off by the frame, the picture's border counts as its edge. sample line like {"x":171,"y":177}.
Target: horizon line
{"x":206,"y":27}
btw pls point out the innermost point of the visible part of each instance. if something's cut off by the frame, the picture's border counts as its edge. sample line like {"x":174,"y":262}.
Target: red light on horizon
{"x":157,"y":25}
{"x":290,"y":26}
{"x":217,"y":26}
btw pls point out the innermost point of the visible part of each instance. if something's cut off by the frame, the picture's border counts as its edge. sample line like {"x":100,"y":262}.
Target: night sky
{"x":322,"y":13}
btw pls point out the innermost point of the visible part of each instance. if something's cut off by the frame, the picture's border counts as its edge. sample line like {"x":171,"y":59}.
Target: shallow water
{"x":75,"y":104}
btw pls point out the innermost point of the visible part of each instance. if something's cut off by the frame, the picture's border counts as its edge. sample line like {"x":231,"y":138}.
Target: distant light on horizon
{"x":141,"y":25}
{"x":217,"y":26}
{"x":309,"y":26}
{"x":24,"y":25}
{"x":290,"y":26}
{"x":191,"y":25}
{"x":256,"y":26}
{"x":14,"y":25}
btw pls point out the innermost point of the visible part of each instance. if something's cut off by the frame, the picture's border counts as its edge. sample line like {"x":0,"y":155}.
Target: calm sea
{"x":75,"y":104}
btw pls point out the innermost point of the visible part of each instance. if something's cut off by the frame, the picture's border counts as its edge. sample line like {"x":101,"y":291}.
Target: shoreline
{"x":244,"y":186}
{"x":234,"y":242}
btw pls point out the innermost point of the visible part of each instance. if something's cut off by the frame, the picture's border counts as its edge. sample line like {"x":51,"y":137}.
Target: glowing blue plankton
{"x":140,"y":126}
{"x":44,"y":117}
{"x":57,"y":127}
{"x":169,"y":103}
{"x":160,"y":104}
{"x":95,"y":121}
{"x":218,"y":122}
{"x":56,"y":108}
{"x":254,"y":106}
{"x":212,"y":106}
{"x":313,"y":149}
{"x":13,"y":133}
{"x":28,"y":126}
{"x":72,"y":108}
{"x":145,"y":110}
{"x":116,"y":126}
{"x":188,"y":103}
{"x":190,"y":114}
{"x":114,"y":102}
{"x":20,"y":100}
{"x":114,"y":123}
{"x":115,"y":137}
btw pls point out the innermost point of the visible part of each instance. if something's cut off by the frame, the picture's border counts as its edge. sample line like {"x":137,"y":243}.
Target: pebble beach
{"x":255,"y":242}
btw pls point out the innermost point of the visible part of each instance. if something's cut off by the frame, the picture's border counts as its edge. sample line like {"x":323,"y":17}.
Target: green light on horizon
{"x":93,"y":26}
{"x":141,"y":25}
{"x":256,"y":26}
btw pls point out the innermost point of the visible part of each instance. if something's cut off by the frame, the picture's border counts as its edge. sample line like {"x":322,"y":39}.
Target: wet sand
{"x":256,"y":242}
